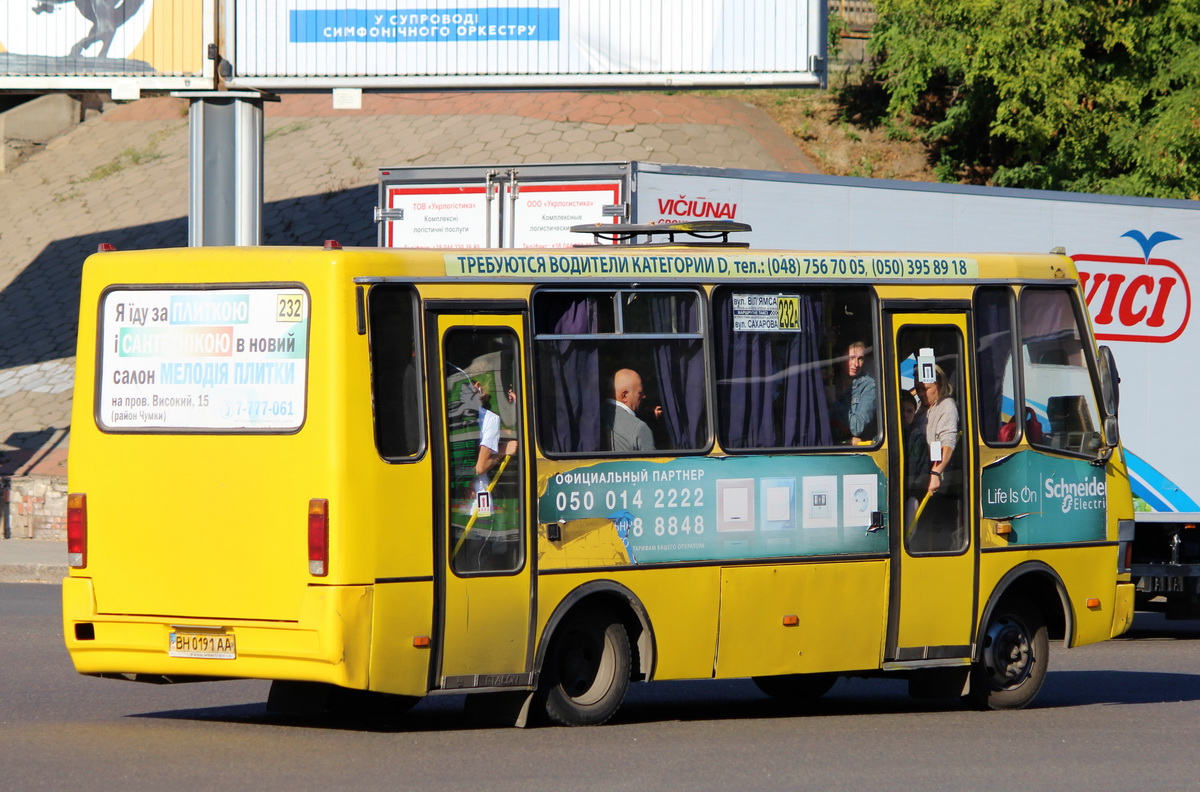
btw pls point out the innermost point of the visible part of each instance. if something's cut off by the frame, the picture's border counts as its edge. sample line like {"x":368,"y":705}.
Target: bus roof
{"x":620,"y":263}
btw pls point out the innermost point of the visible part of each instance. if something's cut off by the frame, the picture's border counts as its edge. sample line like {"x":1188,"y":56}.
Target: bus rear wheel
{"x":1013,"y":658}
{"x":796,"y":688}
{"x":587,"y":669}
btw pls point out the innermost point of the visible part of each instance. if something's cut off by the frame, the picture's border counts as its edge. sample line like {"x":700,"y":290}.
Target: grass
{"x":129,"y":157}
{"x":845,"y":131}
{"x":287,"y":129}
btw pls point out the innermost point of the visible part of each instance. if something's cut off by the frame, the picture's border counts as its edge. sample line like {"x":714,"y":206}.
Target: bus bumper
{"x":329,"y":643}
{"x":1122,"y":609}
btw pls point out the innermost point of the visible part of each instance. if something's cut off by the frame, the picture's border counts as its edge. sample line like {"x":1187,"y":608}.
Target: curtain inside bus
{"x":770,"y":384}
{"x":571,"y":378}
{"x":680,"y":370}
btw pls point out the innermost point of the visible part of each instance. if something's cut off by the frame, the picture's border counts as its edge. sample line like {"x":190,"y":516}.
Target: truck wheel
{"x":1013,"y":659}
{"x":796,"y":688}
{"x":587,"y":669}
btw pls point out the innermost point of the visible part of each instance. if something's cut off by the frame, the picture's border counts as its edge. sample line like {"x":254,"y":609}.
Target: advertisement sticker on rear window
{"x":213,"y":359}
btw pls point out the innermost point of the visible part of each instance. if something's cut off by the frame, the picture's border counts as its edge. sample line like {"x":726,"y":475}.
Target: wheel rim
{"x":1008,"y":653}
{"x":586,"y":667}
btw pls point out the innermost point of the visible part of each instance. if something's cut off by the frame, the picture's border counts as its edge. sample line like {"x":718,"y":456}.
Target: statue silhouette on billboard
{"x":105,"y":15}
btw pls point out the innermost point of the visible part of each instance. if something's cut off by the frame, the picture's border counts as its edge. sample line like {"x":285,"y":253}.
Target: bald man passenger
{"x":623,"y":430}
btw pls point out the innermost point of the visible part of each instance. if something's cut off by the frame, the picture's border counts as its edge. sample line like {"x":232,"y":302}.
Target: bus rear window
{"x":203,"y":360}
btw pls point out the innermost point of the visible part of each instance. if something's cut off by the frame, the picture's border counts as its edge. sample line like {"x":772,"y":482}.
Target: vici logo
{"x":696,"y":207}
{"x":1135,"y":299}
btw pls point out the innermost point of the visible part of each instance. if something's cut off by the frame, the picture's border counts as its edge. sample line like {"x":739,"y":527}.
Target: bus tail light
{"x":77,"y":530}
{"x":318,"y":537}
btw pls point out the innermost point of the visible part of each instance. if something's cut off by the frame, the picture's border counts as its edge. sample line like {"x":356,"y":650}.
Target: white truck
{"x":1135,"y":255}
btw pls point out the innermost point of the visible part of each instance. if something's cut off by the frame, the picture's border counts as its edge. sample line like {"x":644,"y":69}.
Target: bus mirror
{"x":1112,"y":435}
{"x":1109,"y":384}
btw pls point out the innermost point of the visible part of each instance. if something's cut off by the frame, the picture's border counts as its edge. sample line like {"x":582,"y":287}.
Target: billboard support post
{"x":225,"y":167}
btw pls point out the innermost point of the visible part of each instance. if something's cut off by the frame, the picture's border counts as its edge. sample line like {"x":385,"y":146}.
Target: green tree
{"x":1083,"y":95}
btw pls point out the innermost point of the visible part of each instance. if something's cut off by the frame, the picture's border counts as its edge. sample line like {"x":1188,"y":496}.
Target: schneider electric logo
{"x":1084,"y":495}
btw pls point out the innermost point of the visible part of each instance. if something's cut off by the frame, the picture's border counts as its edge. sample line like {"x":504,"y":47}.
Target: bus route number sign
{"x":766,"y":313}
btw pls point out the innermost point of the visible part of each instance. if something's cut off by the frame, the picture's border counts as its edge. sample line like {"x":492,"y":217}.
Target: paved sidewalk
{"x":32,"y":561}
{"x":122,"y":178}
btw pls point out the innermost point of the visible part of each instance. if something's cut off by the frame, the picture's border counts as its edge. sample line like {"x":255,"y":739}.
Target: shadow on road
{"x":1151,"y":626}
{"x":722,"y":700}
{"x":734,"y":699}
{"x":1081,"y":688}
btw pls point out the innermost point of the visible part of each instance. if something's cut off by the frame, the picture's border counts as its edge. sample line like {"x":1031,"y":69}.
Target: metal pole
{"x":225,"y":167}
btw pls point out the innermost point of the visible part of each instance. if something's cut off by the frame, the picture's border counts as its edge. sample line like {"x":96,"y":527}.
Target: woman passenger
{"x":941,"y":425}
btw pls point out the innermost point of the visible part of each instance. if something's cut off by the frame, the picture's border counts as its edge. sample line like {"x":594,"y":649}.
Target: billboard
{"x":525,"y":43}
{"x":102,"y":44}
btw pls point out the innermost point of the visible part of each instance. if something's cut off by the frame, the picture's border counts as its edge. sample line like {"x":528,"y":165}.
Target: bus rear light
{"x":318,"y":537}
{"x":77,"y":530}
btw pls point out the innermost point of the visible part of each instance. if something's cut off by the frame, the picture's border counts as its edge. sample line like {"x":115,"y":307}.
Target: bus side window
{"x":1058,"y":383}
{"x":796,"y":368}
{"x":998,"y":424}
{"x":396,"y":397}
{"x":587,"y":341}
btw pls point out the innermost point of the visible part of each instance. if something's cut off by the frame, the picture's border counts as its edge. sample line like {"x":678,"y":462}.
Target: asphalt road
{"x":1116,"y":716}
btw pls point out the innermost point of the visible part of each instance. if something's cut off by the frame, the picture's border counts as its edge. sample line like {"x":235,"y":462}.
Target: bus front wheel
{"x":587,"y":669}
{"x":1013,"y":658}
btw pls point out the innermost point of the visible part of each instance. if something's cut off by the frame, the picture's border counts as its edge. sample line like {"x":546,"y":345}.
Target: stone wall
{"x":34,"y":507}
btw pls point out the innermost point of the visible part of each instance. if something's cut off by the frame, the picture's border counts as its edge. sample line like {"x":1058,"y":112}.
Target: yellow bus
{"x":550,"y":473}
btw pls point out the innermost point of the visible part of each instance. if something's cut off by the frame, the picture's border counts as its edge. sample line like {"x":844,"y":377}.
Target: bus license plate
{"x":209,"y":646}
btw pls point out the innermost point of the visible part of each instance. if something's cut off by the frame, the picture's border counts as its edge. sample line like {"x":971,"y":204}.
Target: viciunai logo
{"x":1075,"y":496}
{"x":697,"y":208}
{"x":1136,"y":298}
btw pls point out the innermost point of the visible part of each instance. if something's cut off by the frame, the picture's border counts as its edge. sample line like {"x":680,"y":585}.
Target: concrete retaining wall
{"x":29,"y":126}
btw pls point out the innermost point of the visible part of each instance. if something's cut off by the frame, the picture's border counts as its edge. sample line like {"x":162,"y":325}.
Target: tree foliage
{"x":1084,"y":95}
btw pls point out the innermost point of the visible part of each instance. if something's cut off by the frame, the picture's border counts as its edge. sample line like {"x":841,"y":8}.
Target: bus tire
{"x":796,"y":688}
{"x":1013,"y":658}
{"x":586,"y":672}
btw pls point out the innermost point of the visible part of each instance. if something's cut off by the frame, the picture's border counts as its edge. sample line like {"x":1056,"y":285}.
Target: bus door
{"x":934,"y":570}
{"x":483,"y":567}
